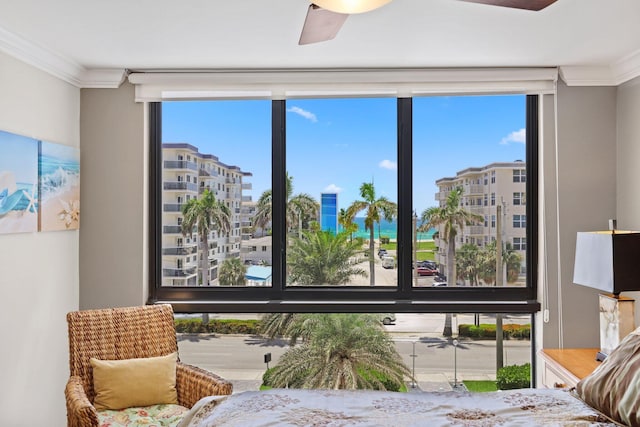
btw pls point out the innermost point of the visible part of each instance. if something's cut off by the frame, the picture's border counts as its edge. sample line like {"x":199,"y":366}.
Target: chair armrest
{"x":80,"y":411}
{"x":193,"y":383}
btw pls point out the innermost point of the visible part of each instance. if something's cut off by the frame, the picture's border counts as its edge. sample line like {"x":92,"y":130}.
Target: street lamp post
{"x":413,"y":368}
{"x":455,"y":364}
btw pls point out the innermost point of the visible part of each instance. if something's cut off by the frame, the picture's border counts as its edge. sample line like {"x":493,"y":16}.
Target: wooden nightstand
{"x":563,"y":368}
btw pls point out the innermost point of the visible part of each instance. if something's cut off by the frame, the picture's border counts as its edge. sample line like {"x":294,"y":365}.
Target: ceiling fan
{"x":325,"y":17}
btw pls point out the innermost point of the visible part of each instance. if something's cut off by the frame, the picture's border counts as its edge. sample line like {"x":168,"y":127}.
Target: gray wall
{"x":38,"y":271}
{"x":113,"y":237}
{"x":586,"y":197}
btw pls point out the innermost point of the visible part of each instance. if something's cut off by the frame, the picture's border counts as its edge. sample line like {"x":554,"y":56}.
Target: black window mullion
{"x":405,"y":196}
{"x":279,"y":196}
{"x":155,"y":200}
{"x":531,"y":187}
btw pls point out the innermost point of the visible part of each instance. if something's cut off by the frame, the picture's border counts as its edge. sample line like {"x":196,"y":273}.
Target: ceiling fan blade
{"x":517,"y":4}
{"x":321,"y":25}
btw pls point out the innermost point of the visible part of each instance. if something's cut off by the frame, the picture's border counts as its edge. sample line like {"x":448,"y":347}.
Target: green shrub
{"x":384,"y":240}
{"x":488,"y":331}
{"x":217,"y":326}
{"x":514,"y":376}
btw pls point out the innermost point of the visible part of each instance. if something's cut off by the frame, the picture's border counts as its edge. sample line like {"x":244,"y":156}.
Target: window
{"x":519,"y":243}
{"x":519,"y":221}
{"x":310,"y":147}
{"x":519,"y":199}
{"x":519,"y":175}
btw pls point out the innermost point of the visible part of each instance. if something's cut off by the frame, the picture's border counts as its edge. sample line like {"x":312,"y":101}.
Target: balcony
{"x":172,"y":229}
{"x":182,"y":250}
{"x":247,"y":186}
{"x":179,"y":272}
{"x":473,"y":189}
{"x":474,"y":230}
{"x":232,"y":180}
{"x":180,"y":164}
{"x":180,"y":185}
{"x":205,"y":173}
{"x":246,"y":198}
{"x":172,"y":207}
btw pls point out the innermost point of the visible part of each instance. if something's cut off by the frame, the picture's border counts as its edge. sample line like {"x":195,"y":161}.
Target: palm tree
{"x":322,"y":258}
{"x":511,"y":260}
{"x":206,"y":214}
{"x":343,"y":351}
{"x":232,"y":273}
{"x":376,"y":208}
{"x":467,"y":263}
{"x":452,"y":217}
{"x":300,"y":208}
{"x":347,"y":223}
{"x":292,"y":325}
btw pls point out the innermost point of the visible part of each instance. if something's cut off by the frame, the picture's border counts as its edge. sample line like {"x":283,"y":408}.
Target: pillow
{"x":134,"y":382}
{"x":613,"y":388}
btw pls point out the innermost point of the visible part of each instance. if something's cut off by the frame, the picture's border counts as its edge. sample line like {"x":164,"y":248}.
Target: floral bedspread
{"x":338,"y":408}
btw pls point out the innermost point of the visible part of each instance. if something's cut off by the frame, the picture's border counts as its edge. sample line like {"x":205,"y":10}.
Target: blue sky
{"x":337,"y":144}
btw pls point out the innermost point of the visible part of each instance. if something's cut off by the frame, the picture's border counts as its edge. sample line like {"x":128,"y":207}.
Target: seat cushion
{"x":164,"y":415}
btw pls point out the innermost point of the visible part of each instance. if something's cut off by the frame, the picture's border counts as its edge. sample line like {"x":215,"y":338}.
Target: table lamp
{"x":610,"y":261}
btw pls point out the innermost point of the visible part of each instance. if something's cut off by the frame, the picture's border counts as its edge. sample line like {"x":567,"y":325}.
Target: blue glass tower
{"x":329,"y":212}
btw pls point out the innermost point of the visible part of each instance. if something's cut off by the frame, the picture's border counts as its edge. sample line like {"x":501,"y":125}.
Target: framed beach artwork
{"x":18,"y":183}
{"x":59,"y":171}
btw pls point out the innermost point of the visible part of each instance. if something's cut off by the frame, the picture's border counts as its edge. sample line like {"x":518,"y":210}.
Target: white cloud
{"x":332,"y":188}
{"x":388,"y":164}
{"x":516,"y":136}
{"x":304,"y":113}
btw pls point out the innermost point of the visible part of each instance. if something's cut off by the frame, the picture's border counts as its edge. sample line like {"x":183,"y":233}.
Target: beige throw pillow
{"x":614,"y":387}
{"x":134,"y":382}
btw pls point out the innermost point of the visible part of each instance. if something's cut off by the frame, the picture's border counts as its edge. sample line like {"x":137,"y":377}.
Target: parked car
{"x":382,"y":253}
{"x":439,"y":283}
{"x":426,"y":271}
{"x":388,"y":318}
{"x":388,"y":262}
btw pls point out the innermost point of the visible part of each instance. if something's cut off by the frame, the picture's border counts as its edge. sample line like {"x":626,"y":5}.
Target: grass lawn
{"x":481,"y":386}
{"x":425,"y":250}
{"x":422,"y":245}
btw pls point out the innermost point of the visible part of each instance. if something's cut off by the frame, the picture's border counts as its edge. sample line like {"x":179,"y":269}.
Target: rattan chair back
{"x":116,"y":334}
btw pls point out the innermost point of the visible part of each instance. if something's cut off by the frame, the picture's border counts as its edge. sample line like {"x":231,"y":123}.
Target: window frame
{"x":401,"y":298}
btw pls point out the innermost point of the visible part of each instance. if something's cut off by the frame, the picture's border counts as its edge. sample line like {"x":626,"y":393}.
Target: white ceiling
{"x":594,"y":41}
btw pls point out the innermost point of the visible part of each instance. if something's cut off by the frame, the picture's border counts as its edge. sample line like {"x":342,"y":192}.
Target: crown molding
{"x":619,"y":72}
{"x":587,"y":76}
{"x":57,"y":65}
{"x":627,"y":68}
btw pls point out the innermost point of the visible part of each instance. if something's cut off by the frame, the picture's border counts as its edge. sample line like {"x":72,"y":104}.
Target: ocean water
{"x":387,"y":229}
{"x":57,"y":175}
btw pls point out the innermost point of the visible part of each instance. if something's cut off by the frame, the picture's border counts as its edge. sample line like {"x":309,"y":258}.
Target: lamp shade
{"x":608,"y":260}
{"x":350,"y":6}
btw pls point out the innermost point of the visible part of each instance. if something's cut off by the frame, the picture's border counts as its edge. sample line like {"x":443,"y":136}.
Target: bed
{"x":338,"y":408}
{"x":609,"y":396}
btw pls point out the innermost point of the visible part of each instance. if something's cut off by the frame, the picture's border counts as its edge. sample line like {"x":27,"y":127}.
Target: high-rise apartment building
{"x":484,"y":188}
{"x":329,"y":212}
{"x":186,"y":173}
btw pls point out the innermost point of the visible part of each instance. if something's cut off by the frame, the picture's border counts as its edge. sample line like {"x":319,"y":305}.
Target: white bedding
{"x":338,"y":408}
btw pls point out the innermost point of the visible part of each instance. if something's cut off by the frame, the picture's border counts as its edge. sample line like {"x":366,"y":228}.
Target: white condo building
{"x":484,"y":188}
{"x":186,"y":173}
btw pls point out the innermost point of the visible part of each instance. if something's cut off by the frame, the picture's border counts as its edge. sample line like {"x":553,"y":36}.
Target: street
{"x":240,"y":358}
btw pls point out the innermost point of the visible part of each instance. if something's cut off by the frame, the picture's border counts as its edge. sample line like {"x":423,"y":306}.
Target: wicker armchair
{"x":127,"y":333}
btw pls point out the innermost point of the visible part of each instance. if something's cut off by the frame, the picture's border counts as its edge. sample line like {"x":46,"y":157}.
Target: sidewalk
{"x":245,"y":380}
